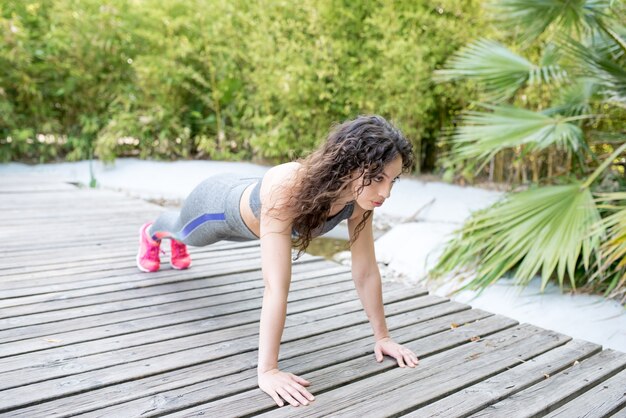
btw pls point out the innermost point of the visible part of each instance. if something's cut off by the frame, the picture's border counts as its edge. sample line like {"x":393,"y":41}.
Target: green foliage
{"x":613,"y":268}
{"x":63,"y":63}
{"x":486,"y":133}
{"x":544,"y":229}
{"x":501,"y":71}
{"x":532,"y":18}
{"x":221,"y":80}
{"x":551,"y":228}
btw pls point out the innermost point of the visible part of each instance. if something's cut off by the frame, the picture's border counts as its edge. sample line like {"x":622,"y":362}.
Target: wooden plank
{"x":35,"y":245}
{"x":207,"y":285}
{"x":25,"y":179}
{"x":84,"y":232}
{"x":22,"y":291}
{"x":221,"y":344}
{"x":74,"y":223}
{"x":53,"y":224}
{"x":239,"y":372}
{"x":554,"y":392}
{"x":63,"y":266}
{"x":117,"y":313}
{"x":438,"y":352}
{"x":211,"y":319}
{"x":188,"y":322}
{"x":619,"y":414}
{"x":302,"y":363}
{"x":83,"y":197}
{"x":89,"y":209}
{"x":606,"y":399}
{"x":60,"y":205}
{"x":125,"y":245}
{"x":332,"y":375}
{"x":125,"y":219}
{"x":7,"y":190}
{"x":28,"y":177}
{"x":83,"y":209}
{"x":432,"y":381}
{"x":120,"y":291}
{"x":47,"y":217}
{"x":476,"y":397}
{"x":129,"y":266}
{"x":218,"y":298}
{"x":67,"y":189}
{"x":131,"y":292}
{"x":75,"y":238}
{"x":103,"y":253}
{"x":68,"y":210}
{"x":197,"y":254}
{"x":203,"y":266}
{"x":111,"y":351}
{"x":45,"y":245}
{"x":116,"y":260}
{"x":80,"y":196}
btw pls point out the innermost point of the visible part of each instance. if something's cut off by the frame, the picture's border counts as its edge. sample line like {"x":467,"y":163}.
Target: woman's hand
{"x":287,"y":386}
{"x":403,"y":355}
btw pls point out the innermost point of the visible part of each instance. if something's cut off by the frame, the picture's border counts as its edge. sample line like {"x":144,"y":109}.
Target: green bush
{"x":221,"y":80}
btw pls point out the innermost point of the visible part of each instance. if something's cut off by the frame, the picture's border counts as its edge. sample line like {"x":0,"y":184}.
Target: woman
{"x":346,"y":178}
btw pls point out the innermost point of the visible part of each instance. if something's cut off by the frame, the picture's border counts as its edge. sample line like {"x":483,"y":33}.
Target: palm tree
{"x":556,"y":226}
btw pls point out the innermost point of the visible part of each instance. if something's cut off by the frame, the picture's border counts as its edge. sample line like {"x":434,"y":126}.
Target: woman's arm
{"x":275,"y":235}
{"x":367,"y":280}
{"x":366,"y":276}
{"x":276,"y":267}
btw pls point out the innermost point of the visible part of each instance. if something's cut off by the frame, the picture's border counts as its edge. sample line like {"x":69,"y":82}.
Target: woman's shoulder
{"x":286,"y":169}
{"x":282,"y":175}
{"x":279,"y":174}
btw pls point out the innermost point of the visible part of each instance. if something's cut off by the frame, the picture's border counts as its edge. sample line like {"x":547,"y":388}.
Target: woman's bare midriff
{"x":246,"y":212}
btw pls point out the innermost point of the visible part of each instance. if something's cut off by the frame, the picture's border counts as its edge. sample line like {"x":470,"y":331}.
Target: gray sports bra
{"x":333,"y":221}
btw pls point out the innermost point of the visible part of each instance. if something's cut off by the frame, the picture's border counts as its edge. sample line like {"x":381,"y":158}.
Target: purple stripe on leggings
{"x":207,"y":217}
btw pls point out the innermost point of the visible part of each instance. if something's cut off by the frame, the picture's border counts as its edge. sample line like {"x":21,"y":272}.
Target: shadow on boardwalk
{"x":82,"y":331}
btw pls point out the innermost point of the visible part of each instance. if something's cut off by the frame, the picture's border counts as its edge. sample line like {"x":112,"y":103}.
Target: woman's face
{"x":379,"y":190}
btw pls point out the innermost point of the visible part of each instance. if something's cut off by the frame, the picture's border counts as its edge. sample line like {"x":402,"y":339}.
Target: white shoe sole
{"x":178,"y":268}
{"x":140,"y":267}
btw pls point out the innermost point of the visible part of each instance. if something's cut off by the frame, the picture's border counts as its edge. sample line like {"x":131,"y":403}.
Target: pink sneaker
{"x":148,"y":256}
{"x":180,"y":258}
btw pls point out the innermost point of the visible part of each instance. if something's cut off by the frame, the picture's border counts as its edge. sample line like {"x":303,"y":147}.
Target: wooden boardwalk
{"x":83,"y":332}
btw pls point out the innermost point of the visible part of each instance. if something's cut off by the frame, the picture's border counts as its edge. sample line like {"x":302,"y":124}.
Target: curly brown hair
{"x":363,"y":146}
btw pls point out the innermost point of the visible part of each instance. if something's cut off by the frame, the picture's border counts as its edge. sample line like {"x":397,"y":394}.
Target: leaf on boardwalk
{"x":454,"y":325}
{"x":51,"y":340}
{"x":475,"y":338}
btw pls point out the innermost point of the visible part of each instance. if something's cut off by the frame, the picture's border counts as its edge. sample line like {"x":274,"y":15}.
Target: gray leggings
{"x":209,"y":214}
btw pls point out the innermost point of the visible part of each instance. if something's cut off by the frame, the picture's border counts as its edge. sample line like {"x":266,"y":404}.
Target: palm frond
{"x":599,"y":64}
{"x":486,"y":133}
{"x":550,"y":55}
{"x":500,"y":70}
{"x":613,"y":249}
{"x":533,"y":17}
{"x":615,"y":34}
{"x":576,"y":98}
{"x":543,"y":230}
